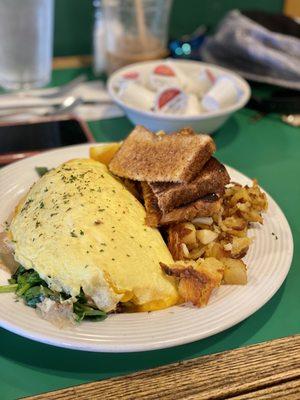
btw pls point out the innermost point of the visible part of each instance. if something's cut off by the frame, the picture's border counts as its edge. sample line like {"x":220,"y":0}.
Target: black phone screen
{"x":41,"y":136}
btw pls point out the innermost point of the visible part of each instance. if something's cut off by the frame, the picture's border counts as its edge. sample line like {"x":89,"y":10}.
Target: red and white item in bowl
{"x":171,"y":100}
{"x":171,"y":94}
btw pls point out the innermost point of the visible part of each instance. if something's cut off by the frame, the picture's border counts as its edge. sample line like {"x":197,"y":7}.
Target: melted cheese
{"x":79,"y":227}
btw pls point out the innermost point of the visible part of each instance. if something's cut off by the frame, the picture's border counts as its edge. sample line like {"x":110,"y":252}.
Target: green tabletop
{"x":268,"y":150}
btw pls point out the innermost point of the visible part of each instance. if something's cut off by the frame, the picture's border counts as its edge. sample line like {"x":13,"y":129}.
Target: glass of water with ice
{"x":26,"y":41}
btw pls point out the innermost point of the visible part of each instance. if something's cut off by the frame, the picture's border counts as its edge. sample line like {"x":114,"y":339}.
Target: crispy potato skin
{"x":196,"y":280}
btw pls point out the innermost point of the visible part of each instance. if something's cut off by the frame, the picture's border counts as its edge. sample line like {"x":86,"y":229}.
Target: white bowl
{"x":206,"y":122}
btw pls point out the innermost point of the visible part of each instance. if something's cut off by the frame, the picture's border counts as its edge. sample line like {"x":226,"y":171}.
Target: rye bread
{"x":211,"y":179}
{"x":177,"y":157}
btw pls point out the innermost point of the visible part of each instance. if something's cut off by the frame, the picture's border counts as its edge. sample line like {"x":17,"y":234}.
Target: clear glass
{"x":136,"y":30}
{"x":26,"y":42}
{"x":99,"y":63}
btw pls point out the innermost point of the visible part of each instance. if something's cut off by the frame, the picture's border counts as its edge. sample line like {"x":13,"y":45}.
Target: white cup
{"x":199,"y":83}
{"x":136,"y":95}
{"x":171,"y":100}
{"x":165,"y":74}
{"x":222,"y":94}
{"x":193,"y":105}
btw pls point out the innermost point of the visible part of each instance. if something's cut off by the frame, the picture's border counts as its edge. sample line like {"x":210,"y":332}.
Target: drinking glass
{"x":26,"y":38}
{"x":136,"y":30}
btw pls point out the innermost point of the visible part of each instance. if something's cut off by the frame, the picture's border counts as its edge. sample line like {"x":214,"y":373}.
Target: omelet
{"x":81,"y":229}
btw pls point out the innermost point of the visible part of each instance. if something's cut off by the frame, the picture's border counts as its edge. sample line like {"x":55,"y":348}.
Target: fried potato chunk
{"x":235,"y":272}
{"x":181,"y":239}
{"x":196,"y":280}
{"x":245,"y":202}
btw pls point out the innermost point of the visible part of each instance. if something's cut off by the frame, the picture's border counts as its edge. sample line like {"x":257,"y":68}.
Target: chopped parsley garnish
{"x":6,"y":226}
{"x":26,"y":205}
{"x":72,"y":178}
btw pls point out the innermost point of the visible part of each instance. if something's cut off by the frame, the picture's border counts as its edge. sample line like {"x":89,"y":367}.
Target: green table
{"x":268,"y":150}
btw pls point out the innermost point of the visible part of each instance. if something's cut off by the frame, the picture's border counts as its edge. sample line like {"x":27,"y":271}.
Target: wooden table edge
{"x":76,"y":61}
{"x":255,"y":371}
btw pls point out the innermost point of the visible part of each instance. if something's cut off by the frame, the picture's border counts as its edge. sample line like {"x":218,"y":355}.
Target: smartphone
{"x":20,"y":140}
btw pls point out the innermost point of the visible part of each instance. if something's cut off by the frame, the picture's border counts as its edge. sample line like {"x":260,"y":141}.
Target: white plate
{"x":268,"y":260}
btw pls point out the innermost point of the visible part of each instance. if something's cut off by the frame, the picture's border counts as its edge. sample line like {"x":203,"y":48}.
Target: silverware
{"x":60,"y":90}
{"x":58,"y":104}
{"x":63,"y":107}
{"x":67,"y":106}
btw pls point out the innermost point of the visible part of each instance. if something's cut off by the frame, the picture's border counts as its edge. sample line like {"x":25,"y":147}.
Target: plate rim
{"x":181,"y":340}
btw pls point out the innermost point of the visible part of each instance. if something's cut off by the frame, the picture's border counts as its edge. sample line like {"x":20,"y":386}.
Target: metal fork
{"x":60,"y":90}
{"x":66,"y":106}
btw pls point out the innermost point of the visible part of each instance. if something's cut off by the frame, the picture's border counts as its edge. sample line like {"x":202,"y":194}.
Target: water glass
{"x":136,"y":30}
{"x":26,"y":41}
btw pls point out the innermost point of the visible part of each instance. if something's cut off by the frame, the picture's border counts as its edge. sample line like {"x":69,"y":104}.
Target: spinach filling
{"x":28,"y":285}
{"x":41,"y":171}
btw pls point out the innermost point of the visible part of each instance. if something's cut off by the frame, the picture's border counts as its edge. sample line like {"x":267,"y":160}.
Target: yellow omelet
{"x":79,"y":227}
